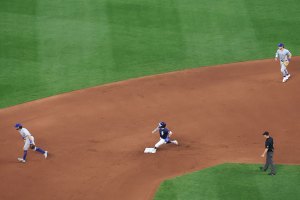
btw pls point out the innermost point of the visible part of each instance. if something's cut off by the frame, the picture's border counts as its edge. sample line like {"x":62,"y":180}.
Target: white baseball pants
{"x":27,"y":143}
{"x":283,"y":69}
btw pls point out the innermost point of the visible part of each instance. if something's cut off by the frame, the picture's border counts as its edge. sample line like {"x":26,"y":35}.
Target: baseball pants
{"x":269,"y":162}
{"x":164,"y":141}
{"x":27,"y":143}
{"x":283,"y":69}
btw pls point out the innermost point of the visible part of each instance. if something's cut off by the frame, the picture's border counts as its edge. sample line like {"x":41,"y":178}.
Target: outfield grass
{"x":52,"y":46}
{"x":233,"y":182}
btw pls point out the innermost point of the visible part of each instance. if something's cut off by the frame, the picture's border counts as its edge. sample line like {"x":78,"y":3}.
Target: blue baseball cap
{"x":18,"y":125}
{"x":280,"y":45}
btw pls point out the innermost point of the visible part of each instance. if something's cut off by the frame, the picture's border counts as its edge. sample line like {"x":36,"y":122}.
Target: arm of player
{"x":170,"y":133}
{"x":155,"y":130}
{"x":289,"y":56}
{"x":264,"y":153}
{"x":276,"y":55}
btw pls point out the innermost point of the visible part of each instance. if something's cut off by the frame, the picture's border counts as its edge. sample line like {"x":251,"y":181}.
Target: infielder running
{"x":285,"y":57}
{"x":164,"y":135}
{"x":28,"y":142}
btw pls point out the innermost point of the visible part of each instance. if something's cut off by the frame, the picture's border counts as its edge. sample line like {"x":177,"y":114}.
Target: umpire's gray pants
{"x":269,"y":162}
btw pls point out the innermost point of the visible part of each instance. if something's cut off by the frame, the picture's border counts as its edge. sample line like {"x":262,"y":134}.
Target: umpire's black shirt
{"x":269,"y":144}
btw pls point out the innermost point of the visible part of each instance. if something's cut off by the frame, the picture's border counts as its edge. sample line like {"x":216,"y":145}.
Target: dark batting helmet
{"x":162,"y":124}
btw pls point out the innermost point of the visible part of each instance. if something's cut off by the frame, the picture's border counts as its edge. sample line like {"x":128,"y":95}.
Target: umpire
{"x":269,"y":150}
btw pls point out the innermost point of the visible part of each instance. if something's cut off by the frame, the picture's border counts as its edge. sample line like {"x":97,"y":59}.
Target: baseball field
{"x":91,"y":79}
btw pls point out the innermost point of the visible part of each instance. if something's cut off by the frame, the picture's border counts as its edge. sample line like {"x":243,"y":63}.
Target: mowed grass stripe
{"x":51,"y":47}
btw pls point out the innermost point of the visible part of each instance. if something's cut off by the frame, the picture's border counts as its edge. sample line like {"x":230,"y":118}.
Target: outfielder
{"x":28,"y":142}
{"x":284,"y":56}
{"x":164,"y":135}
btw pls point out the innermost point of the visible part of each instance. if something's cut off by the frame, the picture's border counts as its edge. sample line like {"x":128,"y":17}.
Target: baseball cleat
{"x":21,"y":160}
{"x":284,"y":79}
{"x":288,"y":76}
{"x":262,"y":169}
{"x":175,"y":142}
{"x":46,"y":154}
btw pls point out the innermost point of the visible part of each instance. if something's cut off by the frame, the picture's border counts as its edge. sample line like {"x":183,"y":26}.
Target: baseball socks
{"x":24,"y":155}
{"x":45,"y":153}
{"x":40,"y":150}
{"x":23,"y":160}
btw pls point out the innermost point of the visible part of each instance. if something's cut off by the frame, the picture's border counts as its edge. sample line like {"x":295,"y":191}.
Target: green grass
{"x":233,"y":182}
{"x":52,"y":46}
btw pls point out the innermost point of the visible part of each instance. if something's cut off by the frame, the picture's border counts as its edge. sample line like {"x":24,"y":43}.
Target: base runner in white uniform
{"x":285,"y":57}
{"x":28,"y":143}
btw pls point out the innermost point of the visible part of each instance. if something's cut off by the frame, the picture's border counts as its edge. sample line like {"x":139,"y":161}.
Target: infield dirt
{"x":96,"y":137}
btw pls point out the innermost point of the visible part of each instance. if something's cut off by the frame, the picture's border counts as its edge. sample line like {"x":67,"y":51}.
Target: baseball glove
{"x":32,"y":146}
{"x":286,"y":63}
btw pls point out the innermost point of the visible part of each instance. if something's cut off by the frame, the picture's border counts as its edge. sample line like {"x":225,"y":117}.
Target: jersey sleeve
{"x":268,"y":144}
{"x":26,"y":132}
{"x":276,"y":54}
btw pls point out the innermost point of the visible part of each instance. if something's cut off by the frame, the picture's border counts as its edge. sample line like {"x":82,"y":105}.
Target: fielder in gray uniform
{"x":284,"y":56}
{"x":28,"y":143}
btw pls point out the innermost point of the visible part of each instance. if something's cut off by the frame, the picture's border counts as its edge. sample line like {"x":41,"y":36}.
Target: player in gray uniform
{"x":28,"y":143}
{"x":284,"y":56}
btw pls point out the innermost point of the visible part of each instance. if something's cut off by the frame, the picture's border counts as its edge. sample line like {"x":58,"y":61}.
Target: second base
{"x":150,"y":150}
